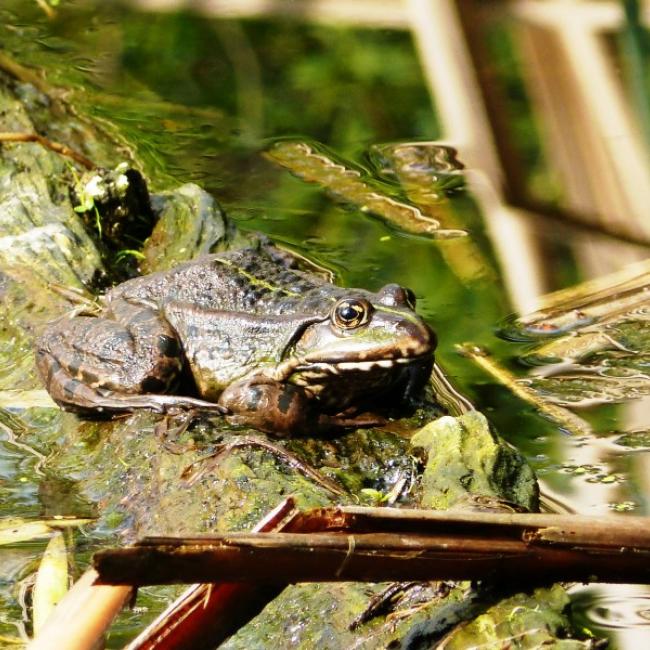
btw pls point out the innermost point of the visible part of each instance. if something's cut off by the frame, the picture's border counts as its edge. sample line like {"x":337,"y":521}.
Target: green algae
{"x":519,"y":622}
{"x":465,"y":458}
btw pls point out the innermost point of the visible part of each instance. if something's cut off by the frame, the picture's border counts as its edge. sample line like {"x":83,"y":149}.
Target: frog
{"x":249,"y":334}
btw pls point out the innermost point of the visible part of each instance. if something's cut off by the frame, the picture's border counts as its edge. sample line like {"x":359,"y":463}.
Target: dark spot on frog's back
{"x":153,"y":385}
{"x":257,"y":294}
{"x":249,"y":300}
{"x":70,"y":388}
{"x":239,"y":281}
{"x":291,"y":282}
{"x":250,"y":265}
{"x":285,"y":401}
{"x":53,"y":366}
{"x":73,"y":367}
{"x":168,"y":346}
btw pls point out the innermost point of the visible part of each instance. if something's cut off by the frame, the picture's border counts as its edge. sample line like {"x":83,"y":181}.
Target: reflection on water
{"x":313,"y":163}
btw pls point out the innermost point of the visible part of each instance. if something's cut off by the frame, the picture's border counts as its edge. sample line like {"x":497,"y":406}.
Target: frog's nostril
{"x":393,"y":295}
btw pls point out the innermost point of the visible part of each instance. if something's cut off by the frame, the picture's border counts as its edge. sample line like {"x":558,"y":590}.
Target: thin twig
{"x":564,"y":418}
{"x":49,"y":144}
{"x":291,"y":459}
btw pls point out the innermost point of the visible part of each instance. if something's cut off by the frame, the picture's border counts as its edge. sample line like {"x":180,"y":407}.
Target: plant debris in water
{"x":600,"y":346}
{"x":315,"y":164}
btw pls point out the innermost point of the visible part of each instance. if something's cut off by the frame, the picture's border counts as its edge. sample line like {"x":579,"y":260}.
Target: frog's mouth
{"x":339,"y":384}
{"x":366,"y":366}
{"x":321,"y":371}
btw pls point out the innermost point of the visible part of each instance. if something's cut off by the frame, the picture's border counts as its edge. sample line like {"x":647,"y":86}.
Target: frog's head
{"x":368,"y":344}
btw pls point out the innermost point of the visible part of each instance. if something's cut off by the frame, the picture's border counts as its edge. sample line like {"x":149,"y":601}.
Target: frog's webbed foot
{"x":171,"y":427}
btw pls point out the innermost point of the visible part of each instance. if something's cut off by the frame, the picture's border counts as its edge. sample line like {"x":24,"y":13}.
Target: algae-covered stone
{"x":42,"y":240}
{"x":522,"y":621}
{"x":43,"y":245}
{"x":190,"y":223}
{"x":331,"y":616}
{"x":464,"y":457}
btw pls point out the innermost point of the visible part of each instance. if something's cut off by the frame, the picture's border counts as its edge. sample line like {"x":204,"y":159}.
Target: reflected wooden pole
{"x":452,"y":82}
{"x":593,"y":135}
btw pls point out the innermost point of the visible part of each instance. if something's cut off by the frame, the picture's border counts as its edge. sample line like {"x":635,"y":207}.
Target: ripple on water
{"x":617,"y":612}
{"x":621,"y":612}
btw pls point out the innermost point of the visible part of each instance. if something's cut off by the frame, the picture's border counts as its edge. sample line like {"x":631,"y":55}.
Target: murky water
{"x":205,"y":98}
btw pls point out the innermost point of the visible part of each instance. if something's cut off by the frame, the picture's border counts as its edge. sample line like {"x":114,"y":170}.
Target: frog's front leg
{"x":283,"y":409}
{"x":97,"y":365}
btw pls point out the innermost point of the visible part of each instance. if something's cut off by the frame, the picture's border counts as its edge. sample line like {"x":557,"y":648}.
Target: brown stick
{"x":329,"y":557}
{"x":402,"y":545}
{"x":49,"y":144}
{"x":572,"y":530}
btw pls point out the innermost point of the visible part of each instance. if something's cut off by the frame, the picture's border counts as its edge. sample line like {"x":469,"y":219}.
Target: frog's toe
{"x":174,"y":404}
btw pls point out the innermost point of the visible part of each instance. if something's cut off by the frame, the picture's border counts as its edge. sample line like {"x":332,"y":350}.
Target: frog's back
{"x":252,"y":280}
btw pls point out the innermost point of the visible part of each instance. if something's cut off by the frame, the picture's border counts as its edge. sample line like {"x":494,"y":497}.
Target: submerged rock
{"x":466,"y":459}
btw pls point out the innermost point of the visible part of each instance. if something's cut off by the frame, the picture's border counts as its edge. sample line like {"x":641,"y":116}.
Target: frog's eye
{"x":351,"y":312}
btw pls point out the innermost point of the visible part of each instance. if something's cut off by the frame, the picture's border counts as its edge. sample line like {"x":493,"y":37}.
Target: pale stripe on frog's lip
{"x":369,"y":365}
{"x":312,"y":375}
{"x":364,"y":366}
{"x":297,"y":366}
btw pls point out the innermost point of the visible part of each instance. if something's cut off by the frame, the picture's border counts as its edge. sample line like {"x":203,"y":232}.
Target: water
{"x":205,"y":98}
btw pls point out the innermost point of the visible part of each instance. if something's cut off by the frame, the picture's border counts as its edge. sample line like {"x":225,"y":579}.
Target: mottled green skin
{"x":242,"y":333}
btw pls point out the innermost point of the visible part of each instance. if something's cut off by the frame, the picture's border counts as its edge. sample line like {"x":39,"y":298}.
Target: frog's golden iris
{"x":349,"y":314}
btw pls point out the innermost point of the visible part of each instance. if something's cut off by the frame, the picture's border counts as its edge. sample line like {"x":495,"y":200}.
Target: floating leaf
{"x":315,"y":164}
{"x":51,"y":581}
{"x":13,"y":531}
